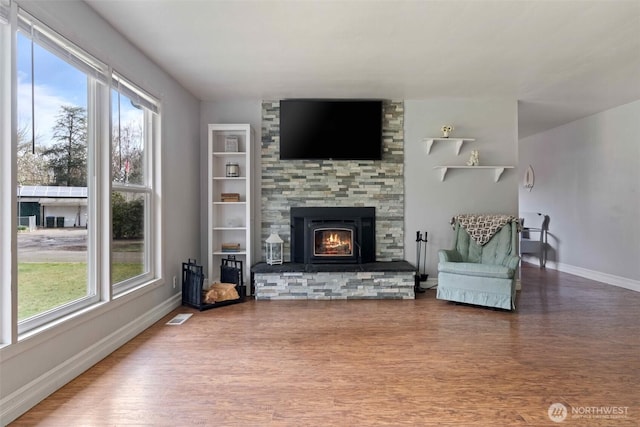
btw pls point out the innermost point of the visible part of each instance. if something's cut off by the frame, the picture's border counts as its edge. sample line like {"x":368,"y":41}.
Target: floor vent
{"x":179,"y":319}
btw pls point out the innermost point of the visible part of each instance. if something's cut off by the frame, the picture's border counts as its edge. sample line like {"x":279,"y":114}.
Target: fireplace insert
{"x":324,"y":235}
{"x":333,"y":241}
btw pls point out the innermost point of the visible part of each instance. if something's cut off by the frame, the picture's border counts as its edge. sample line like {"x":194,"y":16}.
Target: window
{"x":82,"y":187}
{"x":54,"y":201}
{"x":132,"y":125}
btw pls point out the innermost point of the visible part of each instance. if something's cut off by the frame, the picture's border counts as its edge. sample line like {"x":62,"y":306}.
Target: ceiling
{"x":562,"y":60}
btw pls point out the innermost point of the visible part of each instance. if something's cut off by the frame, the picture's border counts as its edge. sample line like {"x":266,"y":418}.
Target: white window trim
{"x":95,"y":91}
{"x":8,"y":184}
{"x":152,"y":228}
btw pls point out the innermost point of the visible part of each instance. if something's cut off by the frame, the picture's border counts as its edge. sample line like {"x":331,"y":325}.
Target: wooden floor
{"x":422,"y":362}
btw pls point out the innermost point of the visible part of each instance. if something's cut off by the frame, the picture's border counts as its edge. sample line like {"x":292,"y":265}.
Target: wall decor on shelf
{"x":231,"y":144}
{"x":529,"y":178}
{"x":232,"y":170}
{"x":474,"y":159}
{"x":446,"y":130}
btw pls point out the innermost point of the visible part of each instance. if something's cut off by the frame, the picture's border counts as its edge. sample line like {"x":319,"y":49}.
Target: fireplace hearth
{"x":329,"y":235}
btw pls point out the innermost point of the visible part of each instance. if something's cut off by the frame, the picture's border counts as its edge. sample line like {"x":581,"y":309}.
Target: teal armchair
{"x":480,"y":274}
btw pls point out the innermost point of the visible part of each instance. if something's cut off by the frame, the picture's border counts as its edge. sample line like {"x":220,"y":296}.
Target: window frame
{"x":101,"y":80}
{"x":150,"y":134}
{"x":96,"y":89}
{"x":8,"y":183}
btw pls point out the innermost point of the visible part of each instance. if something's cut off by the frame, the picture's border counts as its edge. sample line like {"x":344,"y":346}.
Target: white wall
{"x":36,"y":366}
{"x":587,"y":180}
{"x":430,"y":203}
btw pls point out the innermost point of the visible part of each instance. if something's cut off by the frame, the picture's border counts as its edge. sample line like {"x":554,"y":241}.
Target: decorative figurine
{"x":473,"y":159}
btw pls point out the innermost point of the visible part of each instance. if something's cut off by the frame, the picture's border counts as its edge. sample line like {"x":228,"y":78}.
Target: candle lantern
{"x":274,"y":249}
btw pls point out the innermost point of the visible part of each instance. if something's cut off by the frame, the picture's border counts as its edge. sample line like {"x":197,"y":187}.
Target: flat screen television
{"x":330,"y":129}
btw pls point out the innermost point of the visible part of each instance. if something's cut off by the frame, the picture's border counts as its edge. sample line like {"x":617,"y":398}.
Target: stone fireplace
{"x":326,"y":235}
{"x":335,"y":183}
{"x":329,"y":256}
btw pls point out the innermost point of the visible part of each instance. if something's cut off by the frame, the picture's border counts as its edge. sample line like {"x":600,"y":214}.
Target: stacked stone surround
{"x":320,"y":183}
{"x":311,"y":183}
{"x":332,"y":285}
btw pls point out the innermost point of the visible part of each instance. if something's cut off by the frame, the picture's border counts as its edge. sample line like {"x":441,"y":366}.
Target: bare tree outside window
{"x":126,"y":161}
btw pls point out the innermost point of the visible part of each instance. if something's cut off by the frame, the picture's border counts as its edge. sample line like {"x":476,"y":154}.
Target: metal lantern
{"x":274,"y":249}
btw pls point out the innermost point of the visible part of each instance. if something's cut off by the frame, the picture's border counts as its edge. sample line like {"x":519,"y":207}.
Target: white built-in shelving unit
{"x":229,"y":222}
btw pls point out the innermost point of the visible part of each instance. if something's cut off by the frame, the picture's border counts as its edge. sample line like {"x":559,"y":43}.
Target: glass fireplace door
{"x":332,"y":242}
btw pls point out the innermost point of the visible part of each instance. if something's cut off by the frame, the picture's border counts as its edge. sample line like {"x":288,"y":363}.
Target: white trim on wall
{"x":608,"y":279}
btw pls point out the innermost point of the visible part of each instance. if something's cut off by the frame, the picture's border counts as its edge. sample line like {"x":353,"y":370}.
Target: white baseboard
{"x":26,"y":397}
{"x":609,"y":279}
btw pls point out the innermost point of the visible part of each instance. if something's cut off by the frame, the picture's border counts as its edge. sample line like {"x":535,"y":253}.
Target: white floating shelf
{"x":498,"y":170}
{"x":458,"y":141}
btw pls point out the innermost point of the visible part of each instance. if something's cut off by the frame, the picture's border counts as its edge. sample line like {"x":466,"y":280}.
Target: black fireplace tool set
{"x":421,"y":277}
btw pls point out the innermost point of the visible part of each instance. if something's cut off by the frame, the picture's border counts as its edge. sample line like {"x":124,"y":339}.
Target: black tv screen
{"x":330,"y":129}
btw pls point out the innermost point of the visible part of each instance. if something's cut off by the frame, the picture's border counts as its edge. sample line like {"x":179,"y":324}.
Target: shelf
{"x":230,"y":253}
{"x":229,"y":228}
{"x":498,"y":170}
{"x":229,"y":178}
{"x":229,"y":203}
{"x":228,"y":153}
{"x":458,"y":141}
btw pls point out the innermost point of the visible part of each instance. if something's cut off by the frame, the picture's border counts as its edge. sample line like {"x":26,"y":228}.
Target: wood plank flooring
{"x":422,"y":362}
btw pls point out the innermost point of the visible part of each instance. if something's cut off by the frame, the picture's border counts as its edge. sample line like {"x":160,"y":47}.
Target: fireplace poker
{"x":424,"y":275}
{"x":419,"y":241}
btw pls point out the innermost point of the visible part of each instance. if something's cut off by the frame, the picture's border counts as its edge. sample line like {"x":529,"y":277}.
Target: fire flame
{"x":335,"y":244}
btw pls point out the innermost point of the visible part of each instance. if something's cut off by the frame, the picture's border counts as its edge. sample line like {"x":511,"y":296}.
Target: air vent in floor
{"x":179,"y":319}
